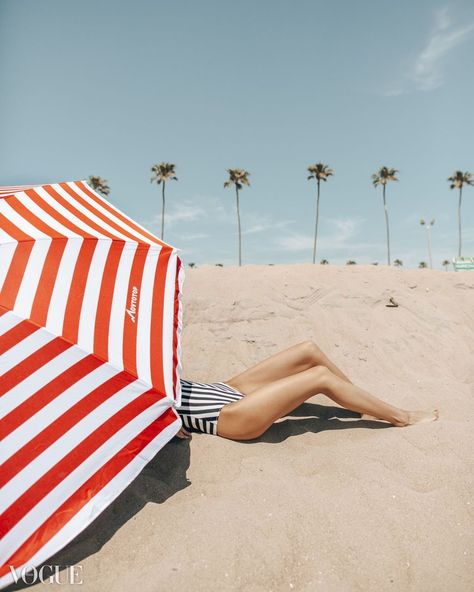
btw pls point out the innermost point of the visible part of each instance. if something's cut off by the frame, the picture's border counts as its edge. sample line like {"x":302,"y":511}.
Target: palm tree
{"x":398,"y":263}
{"x":324,"y":262}
{"x":422,"y":265}
{"x":445,"y":263}
{"x":350,"y":262}
{"x":238,"y":177}
{"x":457,"y":180}
{"x":320,"y":172}
{"x":428,"y":228}
{"x":382,"y":177}
{"x":98,"y":184}
{"x":163,"y":172}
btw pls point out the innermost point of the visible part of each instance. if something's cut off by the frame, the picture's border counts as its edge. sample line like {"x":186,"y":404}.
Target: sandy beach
{"x":322,"y":501}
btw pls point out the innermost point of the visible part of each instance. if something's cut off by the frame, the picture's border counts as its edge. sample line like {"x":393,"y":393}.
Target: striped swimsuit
{"x":201,"y":404}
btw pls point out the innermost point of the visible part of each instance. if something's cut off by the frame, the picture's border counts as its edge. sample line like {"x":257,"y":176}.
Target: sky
{"x":111,"y":87}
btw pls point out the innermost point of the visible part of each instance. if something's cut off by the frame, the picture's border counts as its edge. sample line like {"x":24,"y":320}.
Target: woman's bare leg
{"x":254,"y":414}
{"x":292,"y":360}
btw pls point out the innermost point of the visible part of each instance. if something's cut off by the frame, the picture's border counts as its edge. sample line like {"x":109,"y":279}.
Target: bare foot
{"x":412,"y":417}
{"x":418,"y":417}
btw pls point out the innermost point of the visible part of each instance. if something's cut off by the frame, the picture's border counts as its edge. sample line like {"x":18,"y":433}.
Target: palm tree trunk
{"x":238,"y":218}
{"x":163,"y":212}
{"x":428,"y":230}
{"x":459,"y":220}
{"x":316,"y":225}
{"x":386,"y":224}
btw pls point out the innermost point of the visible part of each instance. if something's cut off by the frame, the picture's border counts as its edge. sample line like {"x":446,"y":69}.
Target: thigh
{"x":256,"y":412}
{"x":290,"y":361}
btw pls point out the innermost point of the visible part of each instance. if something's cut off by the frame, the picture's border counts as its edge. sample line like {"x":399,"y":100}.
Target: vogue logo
{"x":48,"y":574}
{"x":132,"y":309}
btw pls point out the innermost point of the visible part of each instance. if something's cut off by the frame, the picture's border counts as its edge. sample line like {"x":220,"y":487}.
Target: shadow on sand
{"x":317,"y":418}
{"x":165,"y":475}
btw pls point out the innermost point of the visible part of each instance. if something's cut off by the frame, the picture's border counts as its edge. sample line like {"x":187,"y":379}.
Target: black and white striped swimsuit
{"x":202,"y":402}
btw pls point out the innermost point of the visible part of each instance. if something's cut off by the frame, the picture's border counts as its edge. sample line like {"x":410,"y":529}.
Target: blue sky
{"x":110,"y":87}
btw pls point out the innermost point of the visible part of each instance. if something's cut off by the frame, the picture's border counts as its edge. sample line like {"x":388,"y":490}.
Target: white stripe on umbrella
{"x":119,"y":306}
{"x":27,"y":476}
{"x":68,"y":215}
{"x":24,"y":348}
{"x":90,"y":302}
{"x":80,"y":209}
{"x":57,"y":496}
{"x":168,"y":323}
{"x":89,"y":512}
{"x":9,"y":212}
{"x":31,"y":277}
{"x":39,"y":379}
{"x":43,"y":215}
{"x":8,"y":250}
{"x":143,"y":235}
{"x":8,"y":321}
{"x":62,"y":406}
{"x":11,"y":189}
{"x":33,"y":426}
{"x":179,"y":368}
{"x":111,"y":216}
{"x":144,"y":313}
{"x":57,"y":305}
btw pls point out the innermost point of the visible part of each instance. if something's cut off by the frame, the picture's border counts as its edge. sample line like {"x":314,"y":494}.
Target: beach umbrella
{"x":90,"y":350}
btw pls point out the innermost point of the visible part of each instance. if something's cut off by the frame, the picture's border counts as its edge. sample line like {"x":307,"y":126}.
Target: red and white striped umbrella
{"x":90,"y":362}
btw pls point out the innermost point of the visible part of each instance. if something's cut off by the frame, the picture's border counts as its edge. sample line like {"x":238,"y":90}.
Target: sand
{"x":323,"y":500}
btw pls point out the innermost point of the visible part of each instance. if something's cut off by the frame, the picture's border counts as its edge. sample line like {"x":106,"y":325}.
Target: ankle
{"x":400,"y":418}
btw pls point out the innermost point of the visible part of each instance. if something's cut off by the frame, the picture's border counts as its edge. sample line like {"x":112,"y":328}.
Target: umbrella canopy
{"x":90,"y":362}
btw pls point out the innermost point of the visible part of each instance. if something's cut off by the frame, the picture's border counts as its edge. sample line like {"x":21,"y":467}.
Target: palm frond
{"x":384,"y":175}
{"x":162,"y":172}
{"x":459,"y":178}
{"x":319,"y":171}
{"x":237,"y":177}
{"x":99,"y":184}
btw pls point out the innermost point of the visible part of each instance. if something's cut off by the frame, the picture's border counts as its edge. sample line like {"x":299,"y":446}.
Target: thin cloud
{"x":295,"y":242}
{"x":201,"y":212}
{"x":341,"y":237}
{"x":191,"y":237}
{"x":260,"y":223}
{"x":199,"y":208}
{"x":185,"y":212}
{"x":427,"y":71}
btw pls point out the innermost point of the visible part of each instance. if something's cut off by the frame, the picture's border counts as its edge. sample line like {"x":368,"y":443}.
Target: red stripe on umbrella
{"x":90,"y":346}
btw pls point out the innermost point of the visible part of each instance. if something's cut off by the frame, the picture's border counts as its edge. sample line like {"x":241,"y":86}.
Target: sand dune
{"x":323,"y":501}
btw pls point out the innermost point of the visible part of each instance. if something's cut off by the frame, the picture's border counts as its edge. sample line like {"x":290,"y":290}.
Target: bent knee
{"x":310,"y":350}
{"x":322,"y":374}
